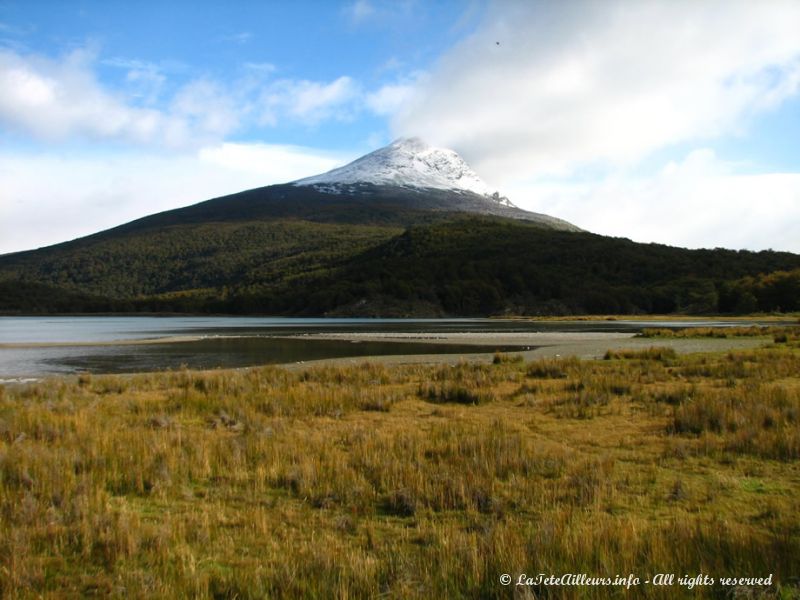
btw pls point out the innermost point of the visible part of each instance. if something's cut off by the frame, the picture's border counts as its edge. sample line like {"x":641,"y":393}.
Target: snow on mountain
{"x":410,"y":163}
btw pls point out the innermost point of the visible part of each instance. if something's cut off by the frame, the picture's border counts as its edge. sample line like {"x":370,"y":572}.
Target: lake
{"x":38,"y":346}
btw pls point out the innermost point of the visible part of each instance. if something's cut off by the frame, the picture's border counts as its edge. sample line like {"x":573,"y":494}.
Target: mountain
{"x":405,"y":183}
{"x":406,"y":162}
{"x":440,"y":178}
{"x":407,"y":230}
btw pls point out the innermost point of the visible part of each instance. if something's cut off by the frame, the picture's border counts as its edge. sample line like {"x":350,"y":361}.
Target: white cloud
{"x":313,"y":100}
{"x":204,"y":106}
{"x":574,"y":83}
{"x":49,"y":198}
{"x":397,"y":15}
{"x":392,"y":97}
{"x":699,"y":202}
{"x":360,"y":10}
{"x":61,"y":99}
{"x":147,"y":84}
{"x":541,"y":91}
{"x":310,"y":101}
{"x":54,"y":99}
{"x":272,"y":163}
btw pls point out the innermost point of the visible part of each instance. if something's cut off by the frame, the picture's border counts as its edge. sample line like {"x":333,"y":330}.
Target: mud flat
{"x":531,"y":345}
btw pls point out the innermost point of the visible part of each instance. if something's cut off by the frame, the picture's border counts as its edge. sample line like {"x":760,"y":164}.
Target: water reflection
{"x":244,"y":341}
{"x":209,"y":353}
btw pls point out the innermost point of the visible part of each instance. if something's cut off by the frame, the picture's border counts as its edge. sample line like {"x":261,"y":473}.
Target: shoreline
{"x":531,"y":345}
{"x":585,"y":346}
{"x":477,"y":338}
{"x":791,"y":318}
{"x":174,"y":339}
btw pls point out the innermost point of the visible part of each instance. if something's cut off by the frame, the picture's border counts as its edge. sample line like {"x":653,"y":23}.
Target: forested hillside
{"x":464,"y":265}
{"x":483,"y":266}
{"x":194,"y":257}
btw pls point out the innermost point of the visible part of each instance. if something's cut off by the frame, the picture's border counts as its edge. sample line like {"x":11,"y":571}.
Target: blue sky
{"x":658,"y":121}
{"x":150,"y":50}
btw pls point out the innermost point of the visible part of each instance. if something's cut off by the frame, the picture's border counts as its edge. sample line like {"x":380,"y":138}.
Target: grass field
{"x":409,"y":481}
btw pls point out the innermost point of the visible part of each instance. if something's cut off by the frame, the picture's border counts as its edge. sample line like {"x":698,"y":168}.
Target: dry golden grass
{"x":651,"y":353}
{"x":403,"y":482}
{"x":781,"y":333}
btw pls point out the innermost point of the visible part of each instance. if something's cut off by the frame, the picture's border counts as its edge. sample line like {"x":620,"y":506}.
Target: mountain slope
{"x":411,"y":164}
{"x":466,"y":265}
{"x":364,"y":203}
{"x":406,"y":230}
{"x":474,"y":266}
{"x":405,"y":183}
{"x":265,"y":235}
{"x":406,"y":162}
{"x":141,"y":261}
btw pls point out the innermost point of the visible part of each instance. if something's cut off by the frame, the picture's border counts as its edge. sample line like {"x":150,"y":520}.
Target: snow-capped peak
{"x":407,"y":162}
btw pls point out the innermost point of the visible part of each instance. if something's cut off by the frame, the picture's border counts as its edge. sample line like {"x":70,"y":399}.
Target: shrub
{"x":651,"y":353}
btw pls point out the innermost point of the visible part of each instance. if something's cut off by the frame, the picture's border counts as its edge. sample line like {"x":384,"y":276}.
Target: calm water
{"x":239,"y":341}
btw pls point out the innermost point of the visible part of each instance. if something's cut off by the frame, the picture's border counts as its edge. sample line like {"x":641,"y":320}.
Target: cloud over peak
{"x":542,"y":88}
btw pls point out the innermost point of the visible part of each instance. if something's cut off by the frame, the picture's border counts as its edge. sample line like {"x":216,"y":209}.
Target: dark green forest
{"x":486,"y":266}
{"x":464,"y":265}
{"x":194,"y":257}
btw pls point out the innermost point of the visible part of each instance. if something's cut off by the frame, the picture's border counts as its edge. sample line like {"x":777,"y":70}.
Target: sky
{"x":675,"y":122}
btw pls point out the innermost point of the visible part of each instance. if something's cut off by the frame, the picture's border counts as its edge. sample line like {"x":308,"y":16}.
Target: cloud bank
{"x":697,"y":202}
{"x":176,"y":132}
{"x":58,"y":99}
{"x":544,"y":93}
{"x":83,"y":195}
{"x":541,"y":94}
{"x":544,"y":88}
